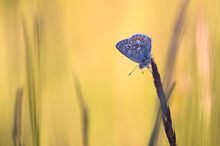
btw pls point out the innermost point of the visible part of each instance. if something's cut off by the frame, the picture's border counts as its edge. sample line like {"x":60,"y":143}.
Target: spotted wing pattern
{"x":137,"y":47}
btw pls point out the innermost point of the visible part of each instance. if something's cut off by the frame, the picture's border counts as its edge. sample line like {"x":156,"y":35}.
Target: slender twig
{"x":84,"y":111}
{"x":166,"y":117}
{"x":17,"y":118}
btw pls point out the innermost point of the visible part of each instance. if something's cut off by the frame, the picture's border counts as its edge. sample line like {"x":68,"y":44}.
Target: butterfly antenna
{"x":132,"y":70}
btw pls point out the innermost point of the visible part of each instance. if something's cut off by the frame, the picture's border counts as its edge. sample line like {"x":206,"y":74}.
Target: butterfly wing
{"x":126,"y":48}
{"x":137,"y":48}
{"x":143,"y":41}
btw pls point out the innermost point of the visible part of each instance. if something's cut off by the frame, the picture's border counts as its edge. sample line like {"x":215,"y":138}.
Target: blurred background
{"x":63,"y":83}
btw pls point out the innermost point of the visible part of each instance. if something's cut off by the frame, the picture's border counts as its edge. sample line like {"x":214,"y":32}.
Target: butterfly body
{"x":137,"y":48}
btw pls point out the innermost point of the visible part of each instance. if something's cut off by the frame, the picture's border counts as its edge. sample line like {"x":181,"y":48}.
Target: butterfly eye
{"x":134,"y":51}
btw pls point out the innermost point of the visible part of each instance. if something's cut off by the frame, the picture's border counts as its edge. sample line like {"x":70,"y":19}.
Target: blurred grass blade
{"x":17,"y":118}
{"x":31,"y":86}
{"x":38,"y":37}
{"x":84,"y":111}
{"x":174,"y":43}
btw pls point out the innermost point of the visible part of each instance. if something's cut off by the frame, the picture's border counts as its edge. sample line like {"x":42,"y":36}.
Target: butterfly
{"x":137,"y":48}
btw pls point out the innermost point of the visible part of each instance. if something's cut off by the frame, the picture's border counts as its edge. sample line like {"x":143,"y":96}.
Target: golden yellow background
{"x":77,"y":38}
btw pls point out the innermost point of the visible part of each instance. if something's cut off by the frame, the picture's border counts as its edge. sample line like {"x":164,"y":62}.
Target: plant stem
{"x":166,"y":117}
{"x":155,"y":132}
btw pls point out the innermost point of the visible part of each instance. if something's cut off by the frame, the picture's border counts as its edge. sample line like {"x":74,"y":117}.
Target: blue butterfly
{"x":137,"y":48}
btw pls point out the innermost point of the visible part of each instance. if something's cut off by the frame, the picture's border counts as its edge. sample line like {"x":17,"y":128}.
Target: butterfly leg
{"x":149,"y":68}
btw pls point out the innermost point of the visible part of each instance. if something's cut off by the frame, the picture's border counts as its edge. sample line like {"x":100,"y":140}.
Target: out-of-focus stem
{"x":17,"y":118}
{"x":84,"y":111}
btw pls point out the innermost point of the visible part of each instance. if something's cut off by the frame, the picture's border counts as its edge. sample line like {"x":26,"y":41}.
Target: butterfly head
{"x":145,"y":63}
